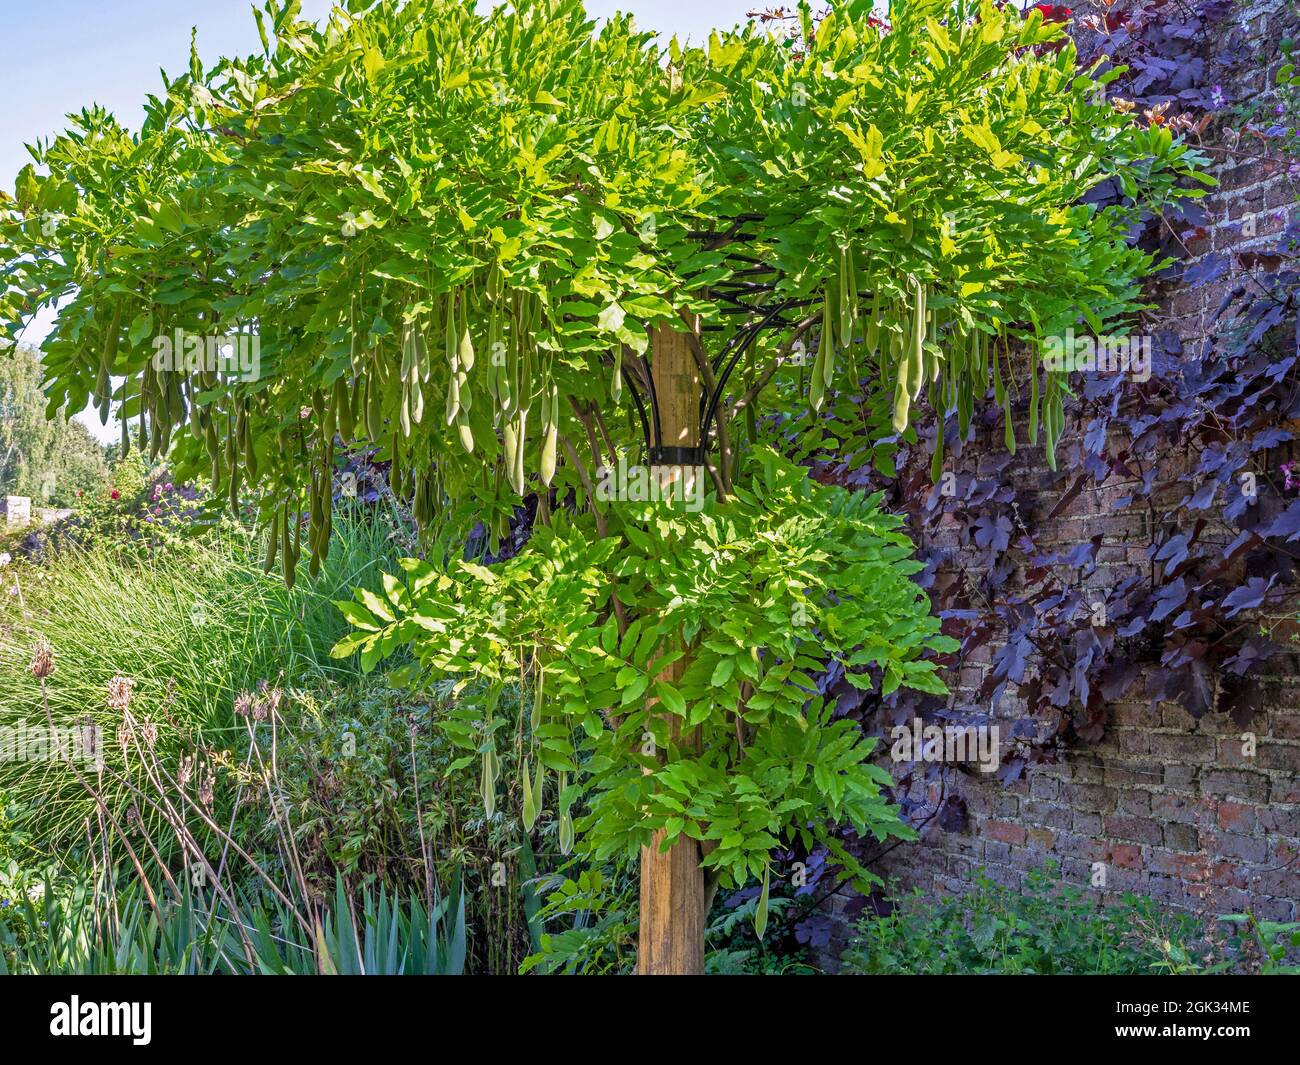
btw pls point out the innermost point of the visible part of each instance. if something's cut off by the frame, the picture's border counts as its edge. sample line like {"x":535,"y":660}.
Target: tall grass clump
{"x":175,"y":634}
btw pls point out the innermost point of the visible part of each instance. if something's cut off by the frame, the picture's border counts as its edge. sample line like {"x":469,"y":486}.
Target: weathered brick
{"x":1041,"y":839}
{"x":1176,"y":808}
{"x":1182,"y":837}
{"x":1004,"y":831}
{"x":1236,"y":817}
{"x":1231,"y":845}
{"x":1231,"y":783}
{"x":1133,"y":828}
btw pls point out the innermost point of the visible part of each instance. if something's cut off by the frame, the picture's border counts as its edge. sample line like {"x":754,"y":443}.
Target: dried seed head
{"x":119,"y":693}
{"x":243,"y":704}
{"x":42,"y":660}
{"x":184,"y":770}
{"x":268,"y":702}
{"x":206,"y":788}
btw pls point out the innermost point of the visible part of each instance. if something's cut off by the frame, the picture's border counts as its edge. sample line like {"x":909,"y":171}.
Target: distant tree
{"x":49,"y":460}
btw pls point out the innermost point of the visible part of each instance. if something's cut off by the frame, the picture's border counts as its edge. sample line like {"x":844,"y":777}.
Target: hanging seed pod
{"x":917,"y":337}
{"x":250,"y":450}
{"x":374,"y":411}
{"x":450,"y":337}
{"x":126,"y":425}
{"x":231,"y":445}
{"x":465,"y":348}
{"x":395,"y":470}
{"x":289,"y":554}
{"x":902,"y":403}
{"x":465,"y":433}
{"x":616,"y":378}
{"x":356,"y":406}
{"x":999,"y":389}
{"x":1033,"y":406}
{"x":452,"y":409}
{"x":343,"y":405}
{"x":535,"y":713}
{"x":902,"y":395}
{"x":532,"y":806}
{"x":760,"y":912}
{"x":416,"y":399}
{"x":272,"y":543}
{"x":488,"y":784}
{"x":423,"y":363}
{"x":357,"y":349}
{"x":175,"y":401}
{"x":566,"y":821}
{"x":408,"y":351}
{"x":493,"y":377}
{"x":872,"y":337}
{"x":847,"y":300}
{"x":233,"y":495}
{"x":196,"y":423}
{"x":550,"y":435}
{"x":518,"y":478}
{"x":817,"y":379}
{"x":825,"y":346}
{"x":853,"y":296}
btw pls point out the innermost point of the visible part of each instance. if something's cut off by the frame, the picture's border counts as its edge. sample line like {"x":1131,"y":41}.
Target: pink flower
{"x":115,"y":494}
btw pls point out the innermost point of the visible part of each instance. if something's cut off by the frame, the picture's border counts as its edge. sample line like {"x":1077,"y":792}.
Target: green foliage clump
{"x":1047,"y":927}
{"x":747,"y":602}
{"x":78,"y":925}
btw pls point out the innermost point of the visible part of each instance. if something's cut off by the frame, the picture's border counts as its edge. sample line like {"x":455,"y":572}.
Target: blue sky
{"x":58,"y":56}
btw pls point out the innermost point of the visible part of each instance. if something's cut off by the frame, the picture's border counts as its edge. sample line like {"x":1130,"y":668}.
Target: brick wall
{"x":1170,"y":807}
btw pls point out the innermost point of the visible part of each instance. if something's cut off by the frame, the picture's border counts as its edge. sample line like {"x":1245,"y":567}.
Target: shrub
{"x":1048,"y":928}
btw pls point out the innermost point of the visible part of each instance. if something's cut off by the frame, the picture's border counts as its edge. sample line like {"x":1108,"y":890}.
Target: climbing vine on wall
{"x":1197,"y":453}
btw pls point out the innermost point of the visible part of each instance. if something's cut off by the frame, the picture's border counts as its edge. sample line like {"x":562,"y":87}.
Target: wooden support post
{"x":671,"y":939}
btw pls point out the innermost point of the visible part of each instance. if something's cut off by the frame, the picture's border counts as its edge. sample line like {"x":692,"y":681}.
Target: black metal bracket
{"x":677,"y":456}
{"x":745,"y":297}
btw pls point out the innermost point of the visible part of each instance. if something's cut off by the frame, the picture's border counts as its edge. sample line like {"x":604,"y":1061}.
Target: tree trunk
{"x":671,"y":940}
